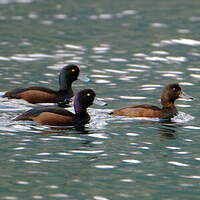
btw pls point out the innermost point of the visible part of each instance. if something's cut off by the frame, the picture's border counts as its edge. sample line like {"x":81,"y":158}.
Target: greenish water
{"x":130,"y":50}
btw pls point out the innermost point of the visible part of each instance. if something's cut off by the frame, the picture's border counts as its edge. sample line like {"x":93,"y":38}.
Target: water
{"x":130,"y":50}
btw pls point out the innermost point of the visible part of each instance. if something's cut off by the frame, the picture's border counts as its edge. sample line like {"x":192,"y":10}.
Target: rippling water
{"x":130,"y":50}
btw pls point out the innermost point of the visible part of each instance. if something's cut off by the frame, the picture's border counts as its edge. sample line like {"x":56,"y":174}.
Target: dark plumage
{"x":57,"y":116}
{"x":38,"y":94}
{"x":170,"y":93}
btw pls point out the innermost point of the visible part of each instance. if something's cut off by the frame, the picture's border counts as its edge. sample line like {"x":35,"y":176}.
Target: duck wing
{"x":146,"y":106}
{"x":143,"y":110}
{"x":31,"y":114}
{"x":14,"y":93}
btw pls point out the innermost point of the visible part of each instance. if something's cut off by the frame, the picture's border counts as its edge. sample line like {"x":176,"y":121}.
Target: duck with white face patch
{"x":170,"y":93}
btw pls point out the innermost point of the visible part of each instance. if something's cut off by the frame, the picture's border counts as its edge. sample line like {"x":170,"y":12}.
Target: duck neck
{"x":81,"y":113}
{"x":65,"y":85}
{"x":79,"y":109}
{"x":66,"y":91}
{"x":169,"y":109}
{"x":64,"y":81}
{"x":167,"y":104}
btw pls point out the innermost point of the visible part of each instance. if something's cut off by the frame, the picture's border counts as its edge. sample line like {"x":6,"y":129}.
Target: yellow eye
{"x":88,"y":94}
{"x":73,"y":70}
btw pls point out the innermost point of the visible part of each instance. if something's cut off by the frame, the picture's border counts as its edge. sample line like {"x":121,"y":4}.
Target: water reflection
{"x":165,"y":128}
{"x":66,"y":130}
{"x":167,"y":131}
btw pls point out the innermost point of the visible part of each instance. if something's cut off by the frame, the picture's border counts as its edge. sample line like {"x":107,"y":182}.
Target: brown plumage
{"x":35,"y":95}
{"x":170,"y":93}
{"x":48,"y":116}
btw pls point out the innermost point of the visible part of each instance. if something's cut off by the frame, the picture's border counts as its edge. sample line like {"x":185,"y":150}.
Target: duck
{"x":170,"y":93}
{"x":57,"y":116}
{"x":39,"y":94}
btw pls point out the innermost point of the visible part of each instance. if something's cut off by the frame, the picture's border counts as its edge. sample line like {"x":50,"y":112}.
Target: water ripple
{"x":158,"y":25}
{"x":32,"y":161}
{"x":59,"y":195}
{"x":105,"y":166}
{"x":132,"y":161}
{"x":132,"y":97}
{"x":86,"y":152}
{"x":127,"y":180}
{"x":132,"y":134}
{"x":118,"y":60}
{"x":98,"y":135}
{"x":182,"y":117}
{"x":9,"y":198}
{"x":173,"y":148}
{"x":192,"y":127}
{"x":178,"y":164}
{"x":183,"y":41}
{"x":160,"y":52}
{"x":192,"y":177}
{"x":48,"y":160}
{"x":15,"y":1}
{"x":103,"y":48}
{"x":37,"y":197}
{"x":107,"y":16}
{"x":100,"y":198}
{"x":23,"y":182}
{"x":43,"y":154}
{"x":139,"y":66}
{"x":67,"y":137}
{"x":75,"y":47}
{"x":195,"y":75}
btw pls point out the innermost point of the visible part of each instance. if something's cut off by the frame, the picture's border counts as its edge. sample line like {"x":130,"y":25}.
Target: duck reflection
{"x":166,"y":129}
{"x":66,"y":130}
{"x":168,"y":132}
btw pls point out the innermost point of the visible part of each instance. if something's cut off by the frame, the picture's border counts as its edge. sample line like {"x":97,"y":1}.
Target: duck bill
{"x":99,"y":102}
{"x":183,"y":95}
{"x":83,"y":77}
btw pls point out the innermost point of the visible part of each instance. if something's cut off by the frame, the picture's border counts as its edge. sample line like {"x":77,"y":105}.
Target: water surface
{"x":130,"y":50}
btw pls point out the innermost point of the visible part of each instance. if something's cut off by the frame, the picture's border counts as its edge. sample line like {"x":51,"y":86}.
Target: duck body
{"x":56,"y":116}
{"x":146,"y":110}
{"x":39,"y":94}
{"x":170,"y":93}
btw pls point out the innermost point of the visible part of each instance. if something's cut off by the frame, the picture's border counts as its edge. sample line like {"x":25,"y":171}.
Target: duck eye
{"x":73,"y":70}
{"x":88,"y":94}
